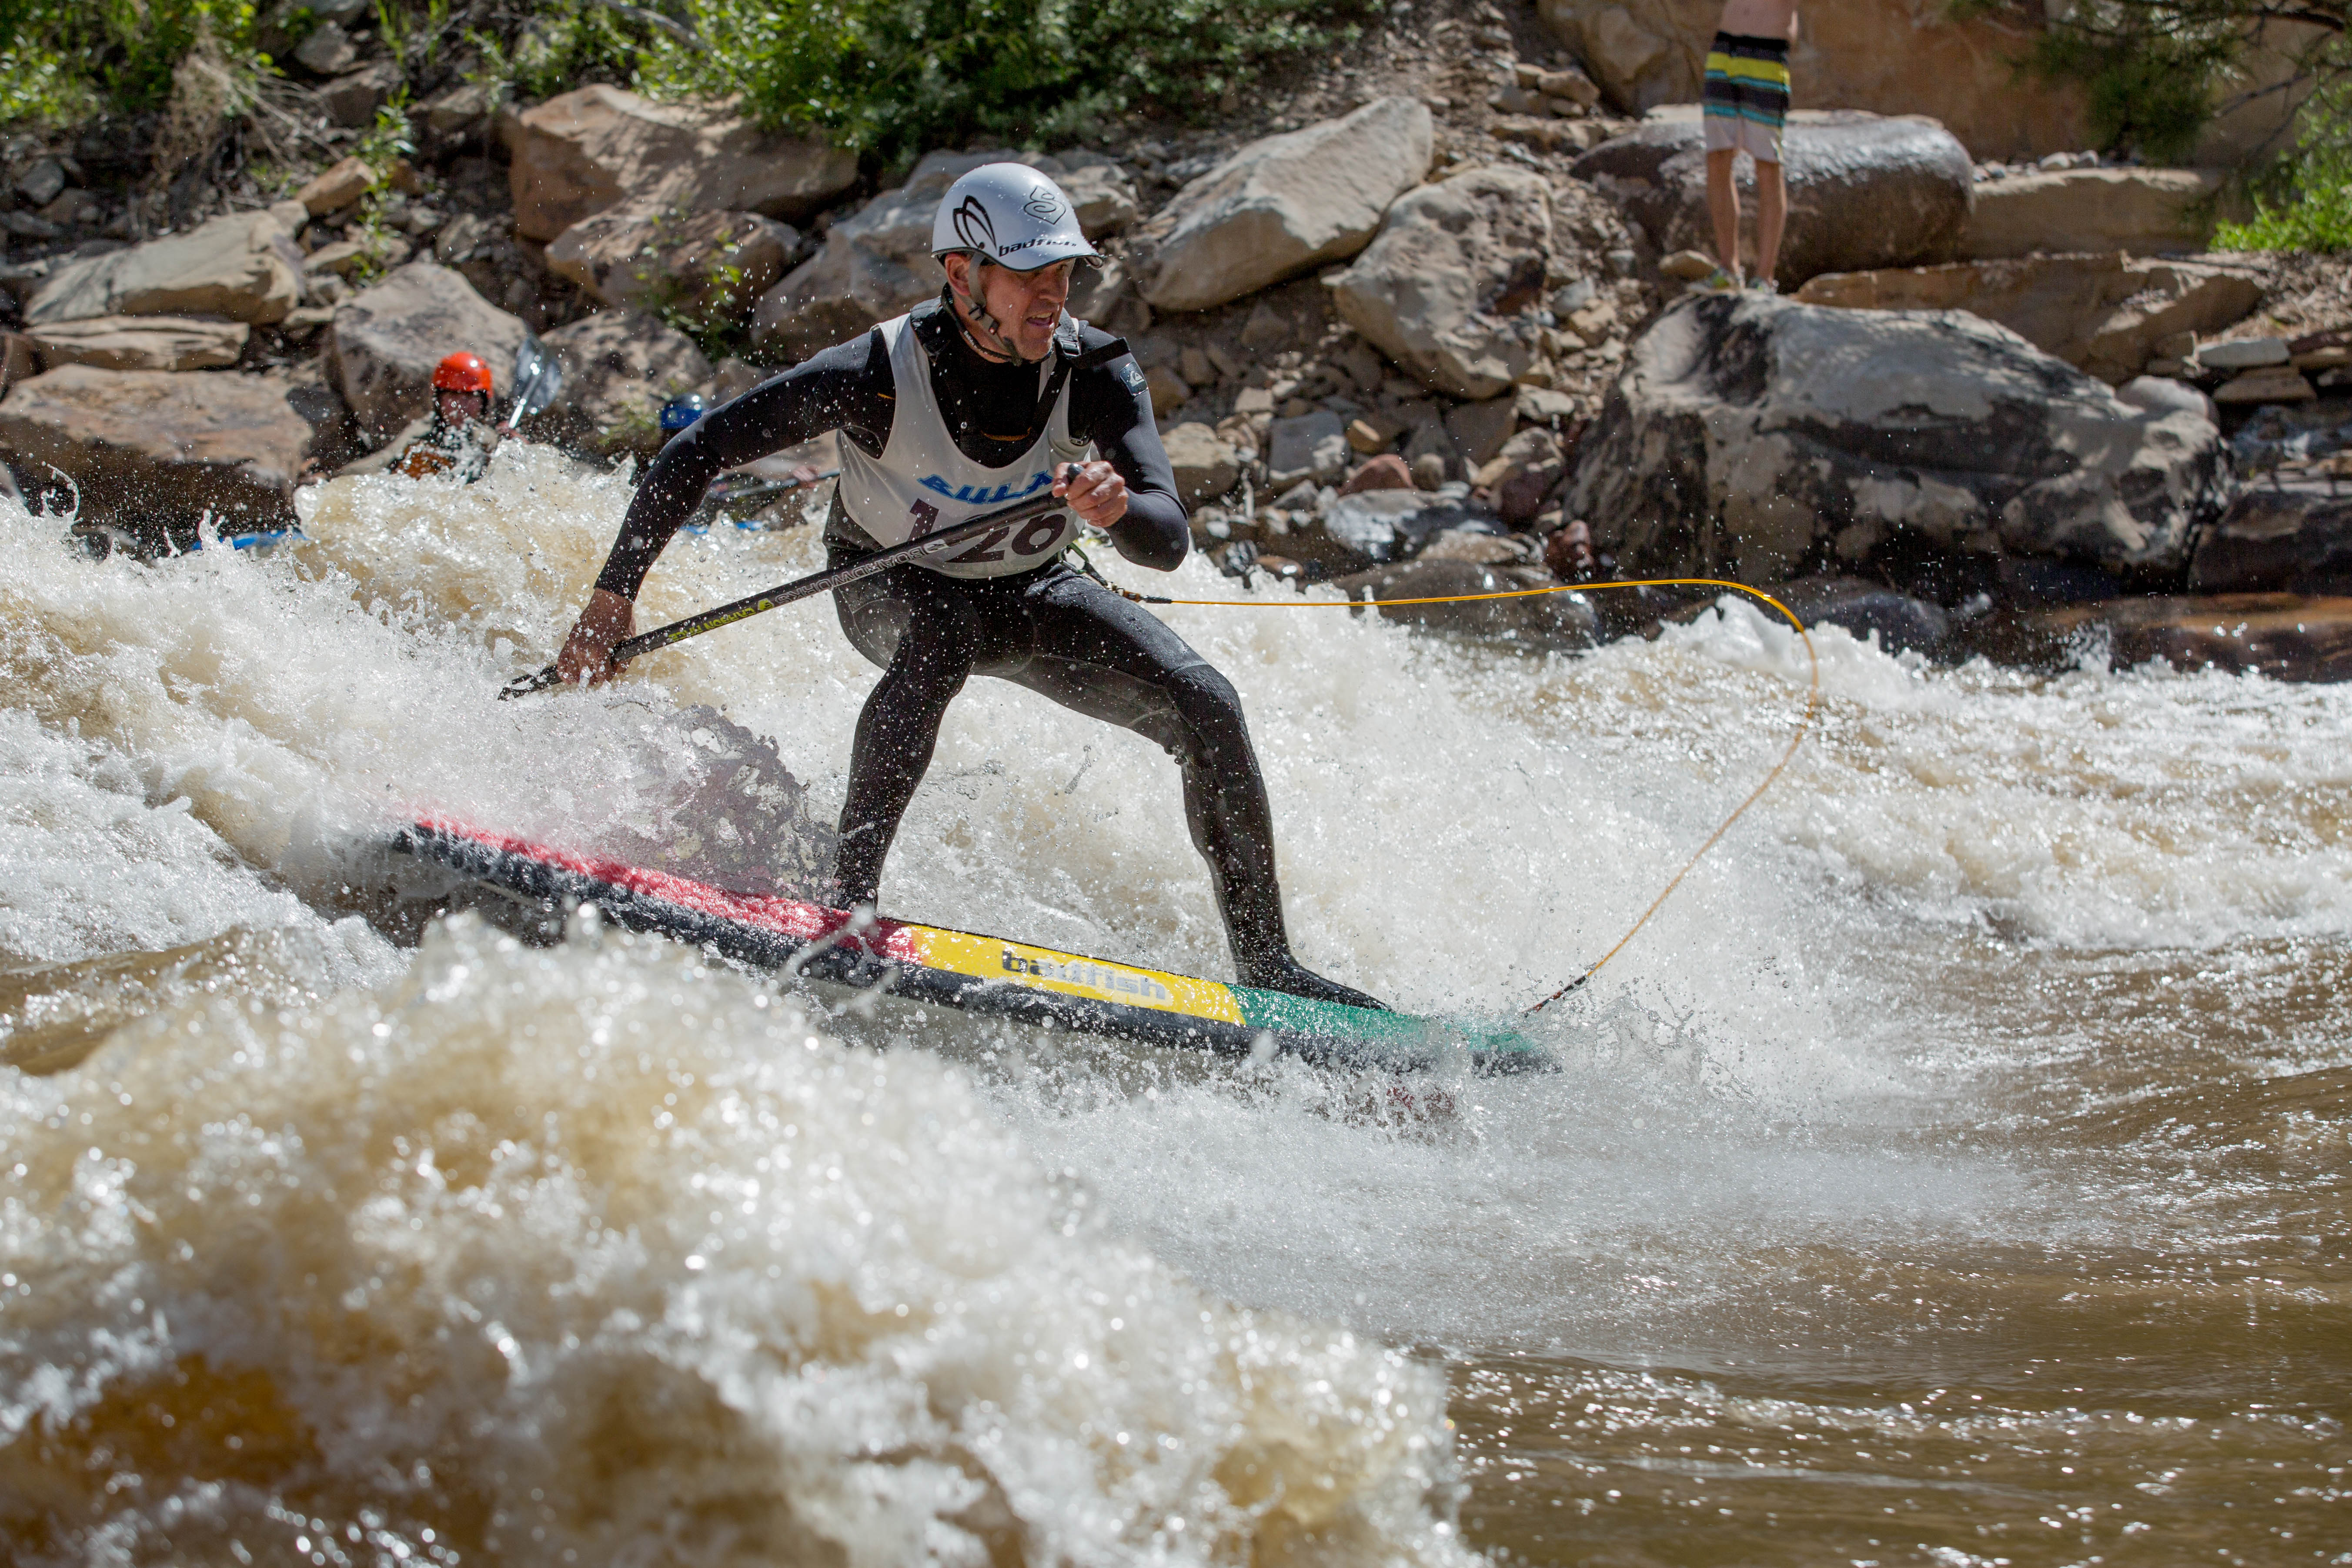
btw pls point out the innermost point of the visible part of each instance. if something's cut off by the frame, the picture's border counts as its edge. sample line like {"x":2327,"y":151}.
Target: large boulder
{"x":1890,"y":57}
{"x":152,"y":451}
{"x":385,"y":340}
{"x":141,"y":342}
{"x":619,"y":368}
{"x":1561,"y":619}
{"x":244,"y":265}
{"x":1863,"y":191}
{"x":593,"y":148}
{"x":1451,"y":287}
{"x":710,"y":265}
{"x":2103,"y":314}
{"x":1282,"y":205}
{"x":2288,"y":537}
{"x":1754,"y":438}
{"x":874,"y":265}
{"x":2145,"y":212}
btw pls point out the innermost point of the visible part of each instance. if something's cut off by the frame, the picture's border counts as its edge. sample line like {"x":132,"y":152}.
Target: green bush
{"x":2303,"y":201}
{"x":60,"y":59}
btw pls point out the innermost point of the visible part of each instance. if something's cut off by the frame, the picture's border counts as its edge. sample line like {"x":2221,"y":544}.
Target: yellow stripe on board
{"x":1043,"y":969}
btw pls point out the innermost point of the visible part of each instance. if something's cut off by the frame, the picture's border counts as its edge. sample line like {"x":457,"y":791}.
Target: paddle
{"x":537,"y":377}
{"x":806,"y":587}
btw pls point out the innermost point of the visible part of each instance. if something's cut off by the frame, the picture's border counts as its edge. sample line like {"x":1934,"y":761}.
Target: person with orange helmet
{"x":460,"y":436}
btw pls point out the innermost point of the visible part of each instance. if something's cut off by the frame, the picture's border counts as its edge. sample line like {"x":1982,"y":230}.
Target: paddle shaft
{"x":806,"y":587}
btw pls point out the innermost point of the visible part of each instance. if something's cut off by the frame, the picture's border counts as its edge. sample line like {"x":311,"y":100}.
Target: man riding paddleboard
{"x":985,"y":397}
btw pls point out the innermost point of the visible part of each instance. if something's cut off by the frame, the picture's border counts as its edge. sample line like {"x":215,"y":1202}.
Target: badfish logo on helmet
{"x":974,"y":227}
{"x":1045,"y":203}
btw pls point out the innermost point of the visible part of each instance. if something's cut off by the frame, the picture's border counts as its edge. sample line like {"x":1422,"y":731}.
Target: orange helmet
{"x":462,"y":372}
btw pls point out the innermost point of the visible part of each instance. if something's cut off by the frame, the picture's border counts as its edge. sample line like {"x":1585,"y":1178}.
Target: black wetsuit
{"x":1050,"y":629}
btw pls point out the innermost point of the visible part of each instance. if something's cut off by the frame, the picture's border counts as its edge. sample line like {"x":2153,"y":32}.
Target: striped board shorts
{"x":1747,"y":95}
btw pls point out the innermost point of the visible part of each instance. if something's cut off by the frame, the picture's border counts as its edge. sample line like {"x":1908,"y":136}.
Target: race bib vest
{"x":922,"y":482}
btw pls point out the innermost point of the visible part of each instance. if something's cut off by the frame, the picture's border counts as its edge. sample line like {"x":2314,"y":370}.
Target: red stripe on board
{"x":795,"y":918}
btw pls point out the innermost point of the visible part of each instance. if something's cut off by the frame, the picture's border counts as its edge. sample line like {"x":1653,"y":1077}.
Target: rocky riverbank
{"x":1422,"y":322}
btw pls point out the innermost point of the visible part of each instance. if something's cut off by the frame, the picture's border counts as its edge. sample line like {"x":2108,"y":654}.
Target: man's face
{"x":1027,"y":305}
{"x":458,"y":408}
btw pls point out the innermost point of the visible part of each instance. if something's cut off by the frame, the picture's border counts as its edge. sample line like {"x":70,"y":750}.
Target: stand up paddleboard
{"x":982,"y":974}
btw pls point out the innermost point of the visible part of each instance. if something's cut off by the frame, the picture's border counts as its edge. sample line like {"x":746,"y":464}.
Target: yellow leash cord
{"x":1805,"y":726}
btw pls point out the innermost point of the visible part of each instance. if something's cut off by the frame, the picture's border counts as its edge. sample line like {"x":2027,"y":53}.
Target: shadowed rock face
{"x":1864,"y":192}
{"x":1760,"y":439}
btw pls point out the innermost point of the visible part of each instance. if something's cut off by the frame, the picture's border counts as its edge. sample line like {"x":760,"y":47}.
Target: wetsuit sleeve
{"x":845,"y":388}
{"x":1110,"y":407}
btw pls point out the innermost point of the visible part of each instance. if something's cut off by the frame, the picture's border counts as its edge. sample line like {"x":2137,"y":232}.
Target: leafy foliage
{"x":60,"y":58}
{"x":2304,"y":202}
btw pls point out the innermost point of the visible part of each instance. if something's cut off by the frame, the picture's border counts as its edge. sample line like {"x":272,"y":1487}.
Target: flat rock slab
{"x":1864,"y":192}
{"x":1282,"y":205}
{"x":2143,"y":212}
{"x":2284,"y":635}
{"x":711,"y":265}
{"x":141,"y":342}
{"x":2292,"y":537}
{"x":1206,"y":465}
{"x":595,"y":148}
{"x":1753,"y":437}
{"x":244,"y":267}
{"x":1378,"y":527}
{"x":155,"y":449}
{"x":2103,"y":314}
{"x":385,"y":340}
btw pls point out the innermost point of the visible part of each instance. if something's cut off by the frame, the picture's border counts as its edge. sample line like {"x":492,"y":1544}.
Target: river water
{"x":1954,"y":1172}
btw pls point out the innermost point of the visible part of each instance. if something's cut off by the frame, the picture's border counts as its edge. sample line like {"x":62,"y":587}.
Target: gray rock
{"x":1282,"y":205}
{"x":1480,"y":430}
{"x":1310,"y":446}
{"x":352,"y":100}
{"x":711,"y":266}
{"x":1863,"y":191}
{"x":327,"y":49}
{"x":2162,"y":395}
{"x":41,"y":184}
{"x":244,"y":265}
{"x":1451,"y":288}
{"x":2243,"y":354}
{"x":1552,"y":620}
{"x":874,"y":265}
{"x":1752,"y":437}
{"x":619,"y":368}
{"x":2293,"y":537}
{"x":386,"y":339}
{"x":1900,"y":623}
{"x":1377,"y":526}
{"x":1205,"y":466}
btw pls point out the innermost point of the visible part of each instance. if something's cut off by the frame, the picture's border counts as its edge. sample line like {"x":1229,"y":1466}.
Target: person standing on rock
{"x":459,"y":438}
{"x":984,"y":398}
{"x":1745,"y":105}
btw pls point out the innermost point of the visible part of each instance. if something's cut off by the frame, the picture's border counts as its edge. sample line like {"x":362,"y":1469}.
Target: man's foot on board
{"x":1292,"y":978}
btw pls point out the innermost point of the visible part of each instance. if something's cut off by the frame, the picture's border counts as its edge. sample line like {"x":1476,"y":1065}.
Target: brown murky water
{"x":1956,"y":1172}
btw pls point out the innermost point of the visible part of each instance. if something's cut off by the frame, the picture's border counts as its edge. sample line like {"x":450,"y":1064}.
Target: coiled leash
{"x":1805,"y":725}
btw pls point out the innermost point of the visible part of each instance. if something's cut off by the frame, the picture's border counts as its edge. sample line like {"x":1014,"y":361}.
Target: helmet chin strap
{"x":997,"y":346}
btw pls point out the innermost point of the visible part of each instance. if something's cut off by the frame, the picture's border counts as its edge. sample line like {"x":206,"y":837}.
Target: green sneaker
{"x":1720,"y":282}
{"x":1763,"y":286}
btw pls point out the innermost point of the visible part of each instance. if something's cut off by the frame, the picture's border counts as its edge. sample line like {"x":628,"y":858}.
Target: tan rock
{"x":345,"y":257}
{"x":386,"y":339}
{"x":141,"y":342}
{"x":1386,"y":471}
{"x":1889,"y":56}
{"x":159,"y":448}
{"x":1282,"y":205}
{"x":2284,"y":636}
{"x":352,"y":101}
{"x":2104,"y":314}
{"x":709,"y":265}
{"x":243,"y":266}
{"x":1205,"y":466}
{"x":2145,"y":212}
{"x":1687,"y":266}
{"x":1169,"y":390}
{"x":1449,"y":289}
{"x":1100,"y":194}
{"x":1479,"y":429}
{"x":1364,"y":439}
{"x":593,"y":148}
{"x":619,"y":368}
{"x":2271,"y":384}
{"x":337,"y":188}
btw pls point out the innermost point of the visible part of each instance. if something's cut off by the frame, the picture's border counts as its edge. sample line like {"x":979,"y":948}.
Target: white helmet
{"x":1011,"y":214}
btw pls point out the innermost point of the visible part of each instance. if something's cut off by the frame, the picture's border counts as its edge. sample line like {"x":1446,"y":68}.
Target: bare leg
{"x":1771,"y":215}
{"x":1723,"y":207}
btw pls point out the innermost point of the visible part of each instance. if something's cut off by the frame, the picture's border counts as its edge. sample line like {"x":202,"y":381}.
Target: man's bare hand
{"x":1095,"y":491}
{"x":588,"y":651}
